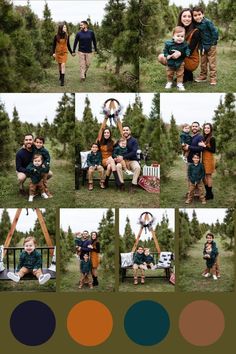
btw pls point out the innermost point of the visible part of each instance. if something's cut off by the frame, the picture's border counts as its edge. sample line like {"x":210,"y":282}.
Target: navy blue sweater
{"x":85,"y":39}
{"x":132,"y":147}
{"x":194,"y":148}
{"x":23,"y":158}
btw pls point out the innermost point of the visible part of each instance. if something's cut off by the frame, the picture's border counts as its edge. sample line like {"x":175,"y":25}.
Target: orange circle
{"x":89,"y":323}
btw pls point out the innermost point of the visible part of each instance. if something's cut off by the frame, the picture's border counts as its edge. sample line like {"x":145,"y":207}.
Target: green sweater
{"x":85,"y":267}
{"x":181,"y":47}
{"x":139,"y":258}
{"x":196,"y":172}
{"x":35,"y":172}
{"x":208,"y":33}
{"x":94,"y":159}
{"x":30,"y":261}
{"x":214,"y":253}
{"x":119,"y":151}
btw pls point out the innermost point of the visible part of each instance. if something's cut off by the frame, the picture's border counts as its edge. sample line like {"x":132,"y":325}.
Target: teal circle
{"x":146,"y":323}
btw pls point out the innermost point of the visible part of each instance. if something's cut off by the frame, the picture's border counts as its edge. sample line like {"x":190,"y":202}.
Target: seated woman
{"x":106,"y":144}
{"x":192,"y":37}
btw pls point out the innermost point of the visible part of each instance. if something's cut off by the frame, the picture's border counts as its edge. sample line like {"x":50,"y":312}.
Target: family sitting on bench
{"x":108,"y":156}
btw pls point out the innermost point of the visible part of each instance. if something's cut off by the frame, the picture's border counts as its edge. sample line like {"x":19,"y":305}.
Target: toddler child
{"x":138,"y":264}
{"x":148,"y":259}
{"x":30,"y":262}
{"x":85,"y":268}
{"x":94,"y":162}
{"x":209,"y":38}
{"x":176,"y":65}
{"x":185,"y":139}
{"x":38,"y":148}
{"x":196,"y":173}
{"x":210,"y":253}
{"x":121,"y":150}
{"x":35,"y":170}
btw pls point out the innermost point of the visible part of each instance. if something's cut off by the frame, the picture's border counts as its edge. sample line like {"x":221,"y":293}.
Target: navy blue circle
{"x":32,"y":322}
{"x":146,"y":322}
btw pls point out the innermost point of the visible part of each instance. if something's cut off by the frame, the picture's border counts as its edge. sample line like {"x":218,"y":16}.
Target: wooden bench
{"x":12,"y":261}
{"x":164,"y":262}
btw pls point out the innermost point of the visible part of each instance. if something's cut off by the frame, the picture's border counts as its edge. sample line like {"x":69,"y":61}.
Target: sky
{"x":25,"y":222}
{"x":32,"y":107}
{"x":189,"y":107}
{"x":186,"y":3}
{"x":207,"y":215}
{"x":70,"y":11}
{"x":81,"y":219}
{"x":97,"y":100}
{"x":134,"y":215}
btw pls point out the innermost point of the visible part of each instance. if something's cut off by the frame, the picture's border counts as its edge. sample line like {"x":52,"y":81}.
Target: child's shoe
{"x":80,"y":286}
{"x":102,"y":185}
{"x":207,"y":275}
{"x":13,"y":276}
{"x":49,"y":195}
{"x":153,"y":267}
{"x":188,"y":201}
{"x":204,"y":201}
{"x":180,"y":87}
{"x":44,"y":195}
{"x":31,"y":198}
{"x":135,"y":281}
{"x":129,"y":173}
{"x":213,"y":82}
{"x":214,"y":277}
{"x":90,"y":186}
{"x":44,"y":278}
{"x":142,"y":280}
{"x":168,"y":85}
{"x":200,"y":79}
{"x":90,"y":286}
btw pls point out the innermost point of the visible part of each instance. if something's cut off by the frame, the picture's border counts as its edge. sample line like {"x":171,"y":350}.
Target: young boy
{"x":38,"y":148}
{"x":210,"y":254}
{"x":121,"y":150}
{"x":78,"y":243}
{"x":30,"y":262}
{"x":148,"y":259}
{"x":176,"y":65}
{"x":185,"y":138}
{"x":85,"y":268}
{"x":138,"y":264}
{"x":35,"y":170}
{"x":94,"y":162}
{"x":196,"y":173}
{"x":209,"y":38}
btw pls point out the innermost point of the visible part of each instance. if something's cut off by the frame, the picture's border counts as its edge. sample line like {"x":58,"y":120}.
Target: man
{"x":23,"y":157}
{"x":86,"y":38}
{"x":196,"y":138}
{"x":86,"y":246}
{"x":130,"y":158}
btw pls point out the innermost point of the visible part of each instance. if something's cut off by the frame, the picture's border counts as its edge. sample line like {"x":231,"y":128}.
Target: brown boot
{"x":135,"y":281}
{"x":102,"y":185}
{"x":90,"y":186}
{"x":142,"y":279}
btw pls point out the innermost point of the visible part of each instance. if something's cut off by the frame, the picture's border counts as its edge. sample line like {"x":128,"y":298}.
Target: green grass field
{"x":153,"y":74}
{"x":95,"y":81}
{"x":61,"y":185}
{"x":69,"y":281}
{"x":113,"y":198}
{"x":151,"y":284}
{"x":190,"y":270}
{"x":27,"y":286}
{"x":174,"y":189}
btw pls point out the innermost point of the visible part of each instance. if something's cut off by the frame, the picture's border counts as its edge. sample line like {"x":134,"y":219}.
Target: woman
{"x":61,"y":45}
{"x":208,"y":159}
{"x":192,"y":38}
{"x":94,"y":256}
{"x":106,"y":145}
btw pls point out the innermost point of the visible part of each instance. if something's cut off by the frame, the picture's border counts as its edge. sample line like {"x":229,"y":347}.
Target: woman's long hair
{"x":60,"y":33}
{"x":191,"y":26}
{"x":96,"y":239}
{"x":109,"y":142}
{"x":207,"y":137}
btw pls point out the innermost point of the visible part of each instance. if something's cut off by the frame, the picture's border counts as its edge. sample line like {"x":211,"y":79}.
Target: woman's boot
{"x":62,"y":79}
{"x":106,"y":182}
{"x":117,"y":180}
{"x":207,"y":196}
{"x":60,"y":75}
{"x":211,"y":195}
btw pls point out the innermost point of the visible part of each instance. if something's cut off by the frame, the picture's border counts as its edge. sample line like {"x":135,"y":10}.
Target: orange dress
{"x":208,"y":161}
{"x":94,"y":255}
{"x":106,"y":152}
{"x":191,"y":63}
{"x":61,"y":49}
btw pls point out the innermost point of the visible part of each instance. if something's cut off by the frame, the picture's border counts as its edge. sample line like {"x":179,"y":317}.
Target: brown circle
{"x":201,"y":323}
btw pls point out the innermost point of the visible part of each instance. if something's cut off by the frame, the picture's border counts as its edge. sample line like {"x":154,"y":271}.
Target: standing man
{"x":130,"y":158}
{"x":196,"y":138}
{"x":86,"y":38}
{"x":23,"y":157}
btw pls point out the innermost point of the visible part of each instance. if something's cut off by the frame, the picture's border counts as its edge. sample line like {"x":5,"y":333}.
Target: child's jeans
{"x":209,"y":57}
{"x":33,"y":187}
{"x":86,"y":278}
{"x":200,"y":187}
{"x":136,"y":267}
{"x":91,"y":170}
{"x":179,"y":74}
